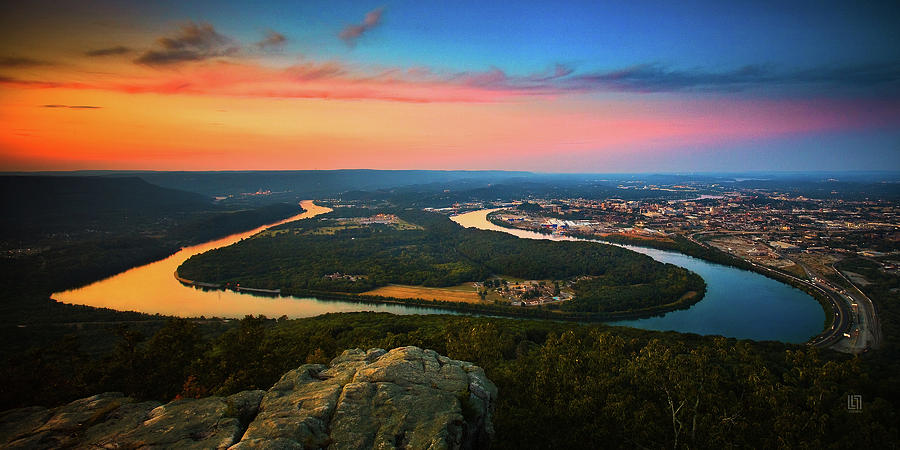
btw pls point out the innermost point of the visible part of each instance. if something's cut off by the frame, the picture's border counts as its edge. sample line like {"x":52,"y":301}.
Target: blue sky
{"x":530,"y":35}
{"x":819,"y":80}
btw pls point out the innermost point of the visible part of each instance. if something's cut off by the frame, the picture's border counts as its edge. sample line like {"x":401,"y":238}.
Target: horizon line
{"x":510,"y":171}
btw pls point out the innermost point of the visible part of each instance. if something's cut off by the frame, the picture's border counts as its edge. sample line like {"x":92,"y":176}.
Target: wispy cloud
{"x":556,"y":72}
{"x":193,"y":42}
{"x":18,"y":61}
{"x":110,"y":51}
{"x":351,"y":33}
{"x":273,"y":41}
{"x":658,"y":78}
{"x":39,"y":84}
{"x":72,"y":106}
{"x":320,"y":80}
{"x":338,"y":80}
{"x":859,"y":75}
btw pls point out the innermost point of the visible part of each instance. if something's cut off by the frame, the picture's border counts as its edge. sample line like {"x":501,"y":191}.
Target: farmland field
{"x":460,"y":293}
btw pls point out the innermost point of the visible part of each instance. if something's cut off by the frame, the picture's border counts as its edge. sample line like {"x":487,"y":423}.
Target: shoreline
{"x":685,"y":301}
{"x":828,"y":304}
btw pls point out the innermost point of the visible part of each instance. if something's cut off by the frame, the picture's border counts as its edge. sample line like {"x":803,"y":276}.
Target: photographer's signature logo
{"x":854,"y":403}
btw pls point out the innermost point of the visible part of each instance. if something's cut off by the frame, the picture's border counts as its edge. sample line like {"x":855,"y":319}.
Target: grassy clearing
{"x":464,"y":293}
{"x":796,"y":271}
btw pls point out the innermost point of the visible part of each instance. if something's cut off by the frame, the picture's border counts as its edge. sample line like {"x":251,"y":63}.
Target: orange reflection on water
{"x":152,"y":288}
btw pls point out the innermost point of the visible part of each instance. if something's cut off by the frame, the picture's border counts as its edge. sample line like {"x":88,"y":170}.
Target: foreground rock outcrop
{"x":404,"y":398}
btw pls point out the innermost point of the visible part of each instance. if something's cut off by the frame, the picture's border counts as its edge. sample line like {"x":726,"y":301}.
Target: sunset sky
{"x":599,"y":86}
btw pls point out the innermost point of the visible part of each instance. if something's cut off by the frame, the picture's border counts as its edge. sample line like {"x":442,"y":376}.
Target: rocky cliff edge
{"x":403,"y":398}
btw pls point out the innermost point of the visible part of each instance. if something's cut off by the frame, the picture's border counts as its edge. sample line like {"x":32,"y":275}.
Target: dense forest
{"x":34,"y":206}
{"x":561,"y":385}
{"x":296,"y":257}
{"x":62,"y":232}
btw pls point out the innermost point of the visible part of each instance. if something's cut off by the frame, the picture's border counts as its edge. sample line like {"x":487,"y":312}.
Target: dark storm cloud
{"x":194,"y":42}
{"x":111,"y":51}
{"x":352,"y":32}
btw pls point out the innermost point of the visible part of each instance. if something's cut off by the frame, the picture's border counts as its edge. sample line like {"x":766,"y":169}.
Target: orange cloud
{"x":322,"y":80}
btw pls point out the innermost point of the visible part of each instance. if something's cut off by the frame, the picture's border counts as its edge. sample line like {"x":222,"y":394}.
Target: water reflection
{"x":738,"y":303}
{"x":152,"y":288}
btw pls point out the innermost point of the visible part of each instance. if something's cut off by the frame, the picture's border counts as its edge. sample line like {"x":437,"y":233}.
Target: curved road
{"x":867,"y":312}
{"x":841,"y":300}
{"x":842,"y":316}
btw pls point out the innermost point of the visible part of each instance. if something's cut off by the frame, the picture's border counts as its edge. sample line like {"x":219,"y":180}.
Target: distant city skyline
{"x":696,"y":86}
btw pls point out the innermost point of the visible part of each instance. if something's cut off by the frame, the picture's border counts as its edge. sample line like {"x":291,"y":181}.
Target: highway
{"x":862,"y":324}
{"x":842,"y":319}
{"x":866,"y":310}
{"x":842,"y":314}
{"x":864,"y":334}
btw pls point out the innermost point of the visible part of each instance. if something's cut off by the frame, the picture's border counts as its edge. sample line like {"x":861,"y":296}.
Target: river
{"x":738,"y":303}
{"x":152,"y":288}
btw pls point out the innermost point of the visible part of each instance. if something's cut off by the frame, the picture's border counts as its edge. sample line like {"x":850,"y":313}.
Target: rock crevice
{"x":404,"y":398}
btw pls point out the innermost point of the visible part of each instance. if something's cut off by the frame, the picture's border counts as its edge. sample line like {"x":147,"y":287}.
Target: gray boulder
{"x":404,"y":398}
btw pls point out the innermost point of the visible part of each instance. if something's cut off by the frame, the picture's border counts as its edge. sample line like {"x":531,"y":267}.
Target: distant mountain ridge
{"x":289,"y":185}
{"x":59,"y":232}
{"x":304,"y":182}
{"x":31,"y":202}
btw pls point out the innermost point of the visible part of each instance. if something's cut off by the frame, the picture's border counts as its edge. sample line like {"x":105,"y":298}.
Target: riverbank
{"x":335,"y":257}
{"x":708,"y":253}
{"x":531,"y":312}
{"x":153,"y":289}
{"x":737,"y":303}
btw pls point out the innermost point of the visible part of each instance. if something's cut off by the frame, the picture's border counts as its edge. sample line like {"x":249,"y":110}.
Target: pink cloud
{"x":325,"y":80}
{"x":685,"y":117}
{"x":353,"y":32}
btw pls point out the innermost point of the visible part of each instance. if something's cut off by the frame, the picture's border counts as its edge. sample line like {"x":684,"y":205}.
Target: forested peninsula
{"x":351,"y":251}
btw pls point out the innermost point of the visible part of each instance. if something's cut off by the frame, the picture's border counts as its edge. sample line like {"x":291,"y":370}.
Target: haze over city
{"x":571,"y":87}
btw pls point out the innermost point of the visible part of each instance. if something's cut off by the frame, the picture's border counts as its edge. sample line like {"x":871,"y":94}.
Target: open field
{"x":756,"y":251}
{"x":342,"y":224}
{"x":640,"y":236}
{"x":464,"y":293}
